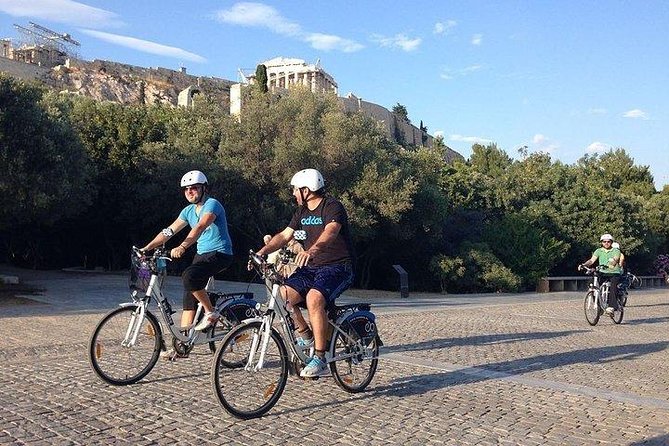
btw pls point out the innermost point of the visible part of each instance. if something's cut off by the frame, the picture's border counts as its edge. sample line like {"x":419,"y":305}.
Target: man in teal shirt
{"x":608,"y":257}
{"x":209,"y":231}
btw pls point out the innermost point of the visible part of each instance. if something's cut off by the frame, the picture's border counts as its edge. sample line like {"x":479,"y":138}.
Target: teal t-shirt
{"x":604,"y":256}
{"x":216,"y":236}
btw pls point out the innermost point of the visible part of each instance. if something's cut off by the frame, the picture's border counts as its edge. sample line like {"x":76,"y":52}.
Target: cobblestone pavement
{"x":455,"y":370}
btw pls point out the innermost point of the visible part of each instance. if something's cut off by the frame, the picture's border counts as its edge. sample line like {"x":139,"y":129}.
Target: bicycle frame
{"x":276,"y":307}
{"x":154,"y":291}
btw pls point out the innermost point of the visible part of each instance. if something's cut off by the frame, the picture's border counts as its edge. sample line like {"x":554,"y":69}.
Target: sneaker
{"x":316,"y":367}
{"x":304,"y":343}
{"x":609,"y":310}
{"x":207,"y":320}
{"x":171,"y":355}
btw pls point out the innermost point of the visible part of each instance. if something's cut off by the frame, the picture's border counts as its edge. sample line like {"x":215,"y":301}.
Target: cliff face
{"x":126,"y":84}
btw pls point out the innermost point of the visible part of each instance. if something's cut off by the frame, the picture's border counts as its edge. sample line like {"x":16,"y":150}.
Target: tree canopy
{"x":85,"y":180}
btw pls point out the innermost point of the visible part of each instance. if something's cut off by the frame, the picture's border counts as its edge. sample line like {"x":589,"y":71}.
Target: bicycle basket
{"x":140,"y":274}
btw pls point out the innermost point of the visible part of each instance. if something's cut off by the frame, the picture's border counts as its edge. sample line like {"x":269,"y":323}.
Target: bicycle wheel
{"x":116,"y":363}
{"x":617,"y":315}
{"x":241,"y":389}
{"x":357,"y":368}
{"x":623,"y":298}
{"x":591,"y":308}
{"x":222,"y":325}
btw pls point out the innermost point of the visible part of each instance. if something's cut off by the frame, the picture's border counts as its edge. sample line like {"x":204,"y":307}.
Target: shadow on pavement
{"x":650,"y":320}
{"x":661,"y":440}
{"x":419,"y":384}
{"x":501,"y":338}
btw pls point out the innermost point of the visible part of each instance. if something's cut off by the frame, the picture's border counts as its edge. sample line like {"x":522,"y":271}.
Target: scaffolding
{"x":42,"y":46}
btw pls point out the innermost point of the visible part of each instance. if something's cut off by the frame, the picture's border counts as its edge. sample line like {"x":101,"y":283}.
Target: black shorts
{"x":196,"y":276}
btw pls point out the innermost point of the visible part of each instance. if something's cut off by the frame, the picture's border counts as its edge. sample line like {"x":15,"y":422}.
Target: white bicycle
{"x":251,"y":365}
{"x":126,"y":343}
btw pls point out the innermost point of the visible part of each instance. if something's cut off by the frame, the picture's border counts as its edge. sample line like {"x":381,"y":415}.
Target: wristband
{"x":167,"y":232}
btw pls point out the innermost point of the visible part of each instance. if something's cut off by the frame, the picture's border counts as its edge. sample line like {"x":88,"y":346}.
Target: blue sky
{"x":567,"y":77}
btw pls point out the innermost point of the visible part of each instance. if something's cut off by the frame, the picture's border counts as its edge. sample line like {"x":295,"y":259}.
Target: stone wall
{"x":112,"y":81}
{"x":23,"y":70}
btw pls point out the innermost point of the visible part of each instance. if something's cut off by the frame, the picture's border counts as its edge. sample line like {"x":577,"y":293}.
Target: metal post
{"x":404,"y":280}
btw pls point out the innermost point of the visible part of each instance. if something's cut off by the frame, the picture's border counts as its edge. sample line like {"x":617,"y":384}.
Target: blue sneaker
{"x":304,"y":343}
{"x":316,"y":367}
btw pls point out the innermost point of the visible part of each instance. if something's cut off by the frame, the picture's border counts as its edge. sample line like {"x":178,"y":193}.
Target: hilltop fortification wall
{"x":111,"y":81}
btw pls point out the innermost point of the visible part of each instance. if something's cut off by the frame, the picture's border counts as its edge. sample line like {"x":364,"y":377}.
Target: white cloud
{"x":448,"y":74}
{"x":61,"y":11}
{"x":444,"y":28}
{"x":469,"y":139}
{"x":636,"y":114}
{"x":327,"y":42}
{"x":598,"y":147}
{"x":260,"y":15}
{"x":539,"y":139}
{"x":145,"y":46}
{"x":438,"y":133}
{"x":401,"y":41}
{"x":477,"y":39}
{"x":598,"y":111}
{"x":471,"y":69}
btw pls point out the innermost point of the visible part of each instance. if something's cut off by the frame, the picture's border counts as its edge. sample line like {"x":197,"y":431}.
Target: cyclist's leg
{"x":189,"y":307}
{"x":613,"y":291}
{"x":329,"y":283}
{"x":294,"y":291}
{"x":196,"y":276}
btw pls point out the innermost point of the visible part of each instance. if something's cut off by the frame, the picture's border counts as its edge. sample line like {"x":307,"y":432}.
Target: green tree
{"x":261,"y":78}
{"x":401,"y":112}
{"x":46,"y":177}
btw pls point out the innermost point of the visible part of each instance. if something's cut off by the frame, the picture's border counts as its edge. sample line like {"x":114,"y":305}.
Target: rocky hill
{"x":111,"y":81}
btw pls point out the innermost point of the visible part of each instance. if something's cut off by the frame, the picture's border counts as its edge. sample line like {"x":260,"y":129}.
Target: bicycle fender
{"x":360,"y":323}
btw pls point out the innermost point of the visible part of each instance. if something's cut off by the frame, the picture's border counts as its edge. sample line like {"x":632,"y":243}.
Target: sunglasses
{"x":607,"y":241}
{"x":187,"y":188}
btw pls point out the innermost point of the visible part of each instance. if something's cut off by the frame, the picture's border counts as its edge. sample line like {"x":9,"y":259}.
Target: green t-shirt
{"x":604,"y":256}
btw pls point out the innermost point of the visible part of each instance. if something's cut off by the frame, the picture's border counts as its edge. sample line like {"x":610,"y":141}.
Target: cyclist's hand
{"x":177,"y":252}
{"x":580,"y":267}
{"x":302,"y":258}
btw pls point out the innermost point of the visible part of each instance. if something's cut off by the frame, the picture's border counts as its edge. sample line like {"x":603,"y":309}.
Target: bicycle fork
{"x":134,"y":326}
{"x":259,"y":345}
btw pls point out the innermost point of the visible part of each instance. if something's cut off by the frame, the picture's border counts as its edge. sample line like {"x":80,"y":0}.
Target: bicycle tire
{"x":623,"y":298}
{"x":243,"y":393}
{"x":354,"y":374}
{"x":617,"y":316}
{"x":119,"y":365}
{"x":591,"y":308}
{"x":220,"y":325}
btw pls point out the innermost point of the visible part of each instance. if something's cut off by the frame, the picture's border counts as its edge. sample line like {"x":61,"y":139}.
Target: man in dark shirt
{"x":325,"y":267}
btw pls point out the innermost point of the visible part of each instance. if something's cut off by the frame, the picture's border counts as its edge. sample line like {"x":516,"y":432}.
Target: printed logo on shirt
{"x":311,"y":221}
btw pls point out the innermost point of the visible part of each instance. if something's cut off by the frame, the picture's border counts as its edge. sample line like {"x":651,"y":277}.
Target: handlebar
{"x":266,"y":270}
{"x":588,"y":270}
{"x":155,"y":261}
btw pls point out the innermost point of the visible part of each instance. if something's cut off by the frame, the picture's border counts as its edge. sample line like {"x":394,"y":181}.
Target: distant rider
{"x":608,"y":257}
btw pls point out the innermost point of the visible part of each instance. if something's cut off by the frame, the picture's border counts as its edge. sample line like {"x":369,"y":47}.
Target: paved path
{"x":459,"y":370}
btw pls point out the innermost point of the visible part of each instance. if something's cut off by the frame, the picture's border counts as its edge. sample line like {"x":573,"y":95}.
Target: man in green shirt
{"x":608,"y":257}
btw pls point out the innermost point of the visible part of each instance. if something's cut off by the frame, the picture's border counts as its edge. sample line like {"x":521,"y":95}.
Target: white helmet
{"x":193,"y":177}
{"x":606,"y":237}
{"x":615,"y":245}
{"x":310,"y":178}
